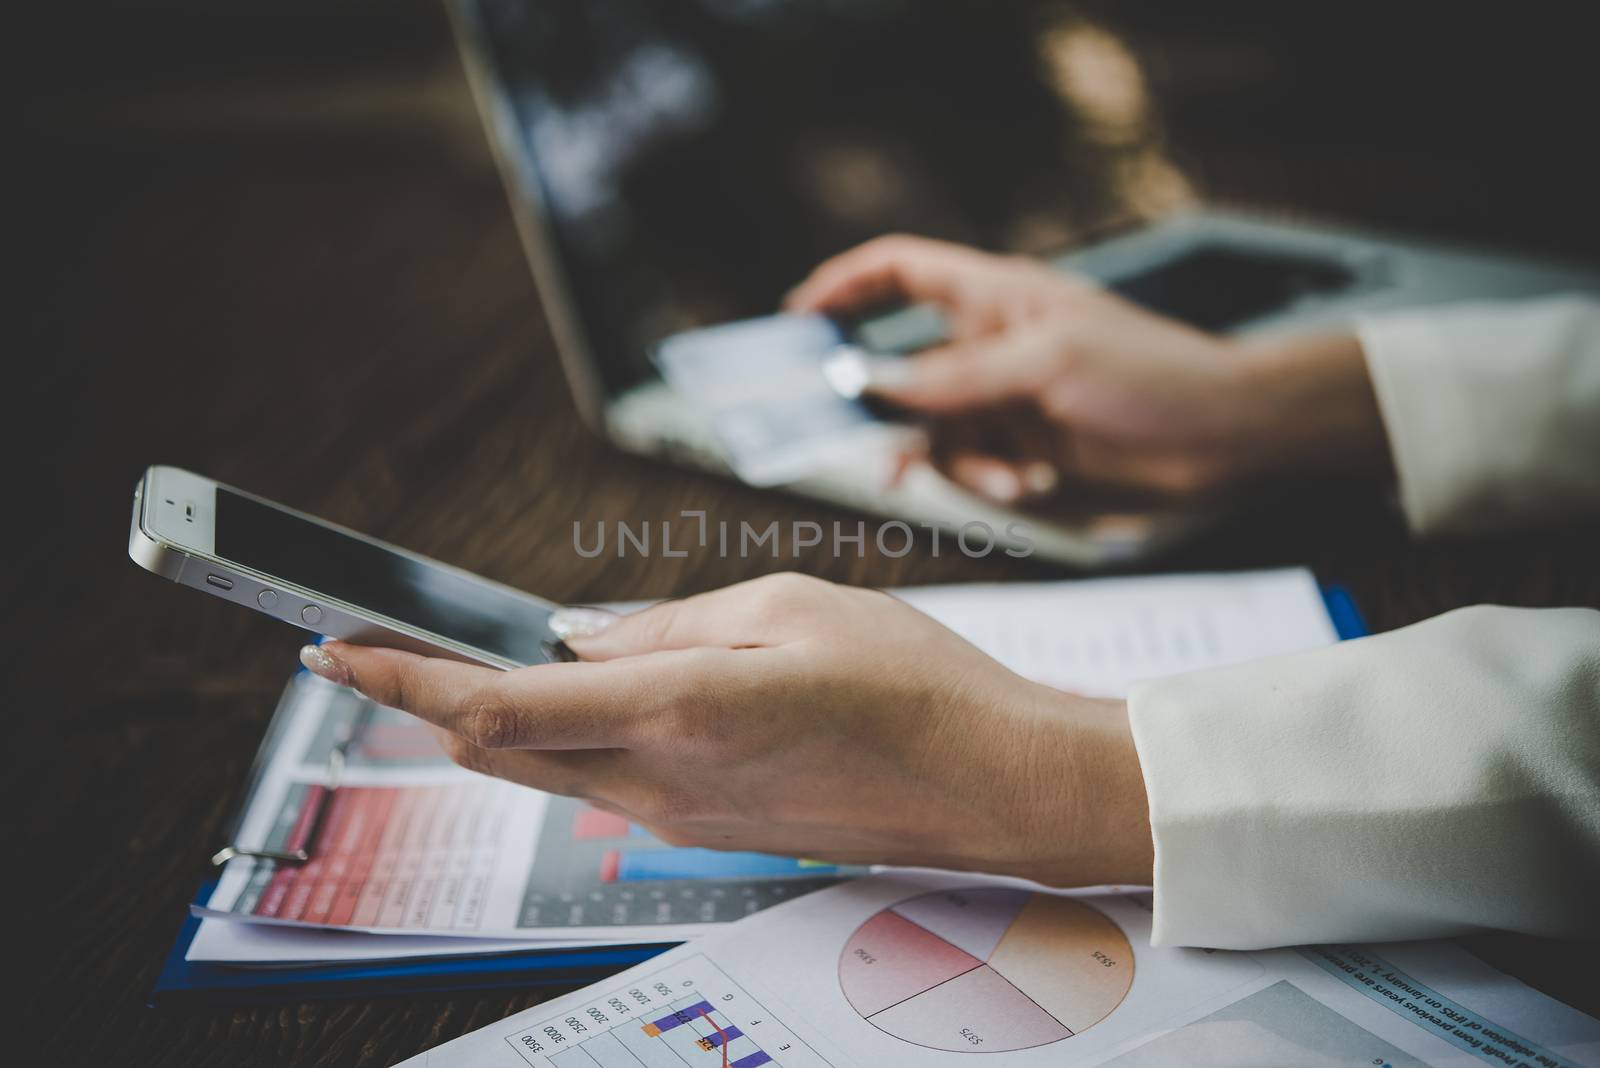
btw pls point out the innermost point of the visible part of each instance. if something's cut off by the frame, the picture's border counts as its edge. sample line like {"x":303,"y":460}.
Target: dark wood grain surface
{"x":268,"y":245}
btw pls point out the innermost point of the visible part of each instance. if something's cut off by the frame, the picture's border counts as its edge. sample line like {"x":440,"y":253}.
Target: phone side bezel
{"x":190,"y":566}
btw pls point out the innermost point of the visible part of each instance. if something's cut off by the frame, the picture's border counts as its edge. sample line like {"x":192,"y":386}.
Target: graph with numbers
{"x":688,"y":1015}
{"x":986,"y":970}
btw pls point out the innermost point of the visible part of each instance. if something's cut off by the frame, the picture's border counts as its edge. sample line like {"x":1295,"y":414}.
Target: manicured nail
{"x":319,"y":661}
{"x":998,"y":483}
{"x":1040,"y":477}
{"x":569,"y":623}
{"x":888,"y":373}
{"x":846,"y":371}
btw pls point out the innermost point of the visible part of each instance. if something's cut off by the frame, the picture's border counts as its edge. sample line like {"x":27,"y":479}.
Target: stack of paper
{"x":921,"y":970}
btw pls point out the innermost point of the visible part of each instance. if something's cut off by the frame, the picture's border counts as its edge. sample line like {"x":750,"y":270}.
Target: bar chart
{"x":691,"y":1015}
{"x":632,"y":855}
{"x":986,"y":970}
{"x":412,"y":858}
{"x":595,"y":868}
{"x":678,"y":862}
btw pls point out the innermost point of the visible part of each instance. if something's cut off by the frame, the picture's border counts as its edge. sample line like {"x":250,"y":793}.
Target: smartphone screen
{"x":432,"y":599}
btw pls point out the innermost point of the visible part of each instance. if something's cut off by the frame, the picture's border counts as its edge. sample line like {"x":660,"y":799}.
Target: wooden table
{"x":279,"y":255}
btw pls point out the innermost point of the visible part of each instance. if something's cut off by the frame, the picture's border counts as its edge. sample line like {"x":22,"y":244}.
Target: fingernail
{"x":888,"y":372}
{"x":569,"y":623}
{"x":1040,"y":477}
{"x":846,"y":371}
{"x":998,"y":483}
{"x":319,"y":661}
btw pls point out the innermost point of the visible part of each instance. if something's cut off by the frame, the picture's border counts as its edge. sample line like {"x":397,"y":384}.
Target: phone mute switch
{"x":219,"y":582}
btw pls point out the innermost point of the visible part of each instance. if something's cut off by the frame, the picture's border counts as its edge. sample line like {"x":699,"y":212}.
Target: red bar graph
{"x":408,"y":857}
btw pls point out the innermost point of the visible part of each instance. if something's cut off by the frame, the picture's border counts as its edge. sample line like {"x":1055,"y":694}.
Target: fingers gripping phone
{"x":328,"y":579}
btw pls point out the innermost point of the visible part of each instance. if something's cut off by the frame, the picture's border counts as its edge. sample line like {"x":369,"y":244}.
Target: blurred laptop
{"x":678,"y":166}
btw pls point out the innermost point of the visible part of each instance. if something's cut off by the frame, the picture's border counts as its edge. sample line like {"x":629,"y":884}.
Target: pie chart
{"x":986,"y":970}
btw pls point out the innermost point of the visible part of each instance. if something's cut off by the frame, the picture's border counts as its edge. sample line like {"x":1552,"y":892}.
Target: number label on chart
{"x":971,"y":1036}
{"x":1105,"y":961}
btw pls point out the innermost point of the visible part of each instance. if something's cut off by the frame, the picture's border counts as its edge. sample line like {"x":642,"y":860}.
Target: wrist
{"x":1309,"y":403}
{"x":1085,"y":817}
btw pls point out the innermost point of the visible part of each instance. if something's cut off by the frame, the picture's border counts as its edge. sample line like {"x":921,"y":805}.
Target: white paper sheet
{"x":925,"y":970}
{"x":1100,"y":636}
{"x":235,"y":942}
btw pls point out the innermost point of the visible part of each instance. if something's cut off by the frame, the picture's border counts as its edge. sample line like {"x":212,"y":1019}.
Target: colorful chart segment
{"x":637,"y":864}
{"x":689,"y":1014}
{"x":986,"y":970}
{"x":594,"y":868}
{"x":689,"y":1033}
{"x":688,"y":862}
{"x":406,"y":857}
{"x":722,"y":1037}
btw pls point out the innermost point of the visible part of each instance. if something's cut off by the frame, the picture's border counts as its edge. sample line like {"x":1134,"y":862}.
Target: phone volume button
{"x":267,"y":599}
{"x":311,"y":615}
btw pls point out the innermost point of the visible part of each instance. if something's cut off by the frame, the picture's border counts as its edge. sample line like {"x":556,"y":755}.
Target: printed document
{"x":911,"y":970}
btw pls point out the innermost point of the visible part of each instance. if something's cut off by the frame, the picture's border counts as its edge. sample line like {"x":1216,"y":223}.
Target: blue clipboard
{"x":205,"y":982}
{"x":1347,"y":619}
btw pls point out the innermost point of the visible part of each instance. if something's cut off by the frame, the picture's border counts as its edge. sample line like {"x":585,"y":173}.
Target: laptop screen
{"x":697,"y":158}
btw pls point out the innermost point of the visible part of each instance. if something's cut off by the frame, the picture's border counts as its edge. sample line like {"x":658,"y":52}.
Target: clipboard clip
{"x":338,"y":758}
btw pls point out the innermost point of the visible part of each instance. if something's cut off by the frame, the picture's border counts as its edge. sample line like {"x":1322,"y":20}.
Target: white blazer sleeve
{"x":1492,"y":410}
{"x":1430,"y":781}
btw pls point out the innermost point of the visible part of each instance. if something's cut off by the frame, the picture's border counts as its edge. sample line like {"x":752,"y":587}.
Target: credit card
{"x":778,"y":394}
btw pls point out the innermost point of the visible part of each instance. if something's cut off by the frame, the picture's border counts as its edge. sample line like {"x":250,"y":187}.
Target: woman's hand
{"x":1047,"y":377}
{"x":789,"y":715}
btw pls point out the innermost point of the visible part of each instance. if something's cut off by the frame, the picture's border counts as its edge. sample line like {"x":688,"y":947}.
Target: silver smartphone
{"x":329,"y":579}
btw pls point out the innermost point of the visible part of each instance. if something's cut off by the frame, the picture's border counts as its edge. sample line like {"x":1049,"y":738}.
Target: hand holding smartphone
{"x":329,"y":579}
